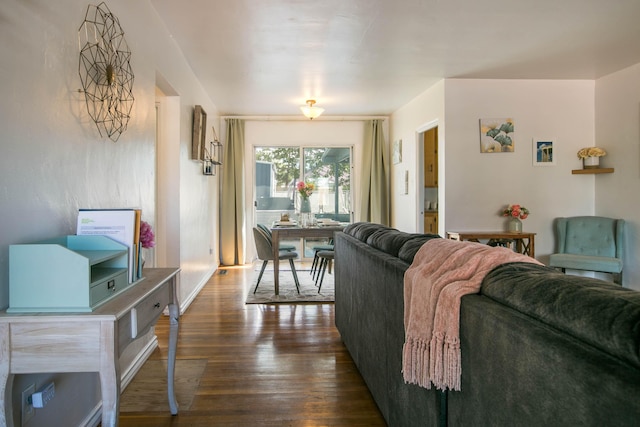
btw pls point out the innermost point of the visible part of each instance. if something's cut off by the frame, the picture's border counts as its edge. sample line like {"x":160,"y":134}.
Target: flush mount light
{"x":310,"y":111}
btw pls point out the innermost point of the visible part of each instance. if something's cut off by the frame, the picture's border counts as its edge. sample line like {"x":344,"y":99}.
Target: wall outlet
{"x":40,"y":398}
{"x":28,"y":411}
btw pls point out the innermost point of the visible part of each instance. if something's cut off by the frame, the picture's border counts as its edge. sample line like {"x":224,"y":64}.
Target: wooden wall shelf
{"x":592,"y":171}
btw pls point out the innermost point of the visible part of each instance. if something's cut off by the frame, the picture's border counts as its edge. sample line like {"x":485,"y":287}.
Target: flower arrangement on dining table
{"x":305,"y":189}
{"x":516,"y":211}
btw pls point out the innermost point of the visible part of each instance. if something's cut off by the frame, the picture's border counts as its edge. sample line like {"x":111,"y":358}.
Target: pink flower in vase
{"x":147,"y":238}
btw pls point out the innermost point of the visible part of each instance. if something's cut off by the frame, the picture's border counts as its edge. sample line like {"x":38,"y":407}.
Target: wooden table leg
{"x":6,"y":379}
{"x":275,"y":243}
{"x":109,"y":375}
{"x":174,"y":318}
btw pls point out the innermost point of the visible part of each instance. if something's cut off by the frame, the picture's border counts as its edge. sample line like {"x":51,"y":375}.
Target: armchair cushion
{"x":586,"y":262}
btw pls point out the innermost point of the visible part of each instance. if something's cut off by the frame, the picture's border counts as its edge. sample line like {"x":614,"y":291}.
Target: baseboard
{"x":194,"y":293}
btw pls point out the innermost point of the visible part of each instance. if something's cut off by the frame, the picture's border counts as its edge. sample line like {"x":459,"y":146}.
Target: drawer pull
{"x":157,"y":305}
{"x":111,"y":285}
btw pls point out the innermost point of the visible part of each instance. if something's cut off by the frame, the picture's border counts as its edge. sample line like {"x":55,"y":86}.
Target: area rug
{"x":288,"y":294}
{"x":147,"y":392}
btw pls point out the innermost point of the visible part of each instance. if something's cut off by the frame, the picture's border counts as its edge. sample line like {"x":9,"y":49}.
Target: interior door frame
{"x":419,"y":135}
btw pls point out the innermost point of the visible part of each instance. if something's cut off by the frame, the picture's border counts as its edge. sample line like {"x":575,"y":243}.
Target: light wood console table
{"x":89,"y":342}
{"x":524,"y":242}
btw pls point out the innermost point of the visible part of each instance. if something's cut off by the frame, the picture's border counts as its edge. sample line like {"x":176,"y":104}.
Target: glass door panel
{"x":277,"y":172}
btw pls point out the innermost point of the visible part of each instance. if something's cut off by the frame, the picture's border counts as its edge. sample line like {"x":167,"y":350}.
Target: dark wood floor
{"x":266,"y":365}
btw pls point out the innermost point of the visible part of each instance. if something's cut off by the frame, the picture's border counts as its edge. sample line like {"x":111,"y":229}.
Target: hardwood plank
{"x":267,"y":365}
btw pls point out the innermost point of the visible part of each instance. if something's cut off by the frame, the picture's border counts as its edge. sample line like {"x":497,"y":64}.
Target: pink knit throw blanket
{"x":442,"y":272}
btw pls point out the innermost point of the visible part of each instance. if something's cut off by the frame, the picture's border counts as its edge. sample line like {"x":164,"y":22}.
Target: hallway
{"x":267,"y":365}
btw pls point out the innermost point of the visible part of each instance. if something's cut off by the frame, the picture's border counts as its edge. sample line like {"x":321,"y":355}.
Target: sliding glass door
{"x":278,"y":170}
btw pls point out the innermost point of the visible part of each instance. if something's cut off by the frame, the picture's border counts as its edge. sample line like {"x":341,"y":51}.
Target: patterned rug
{"x":288,"y":294}
{"x":147,"y":392}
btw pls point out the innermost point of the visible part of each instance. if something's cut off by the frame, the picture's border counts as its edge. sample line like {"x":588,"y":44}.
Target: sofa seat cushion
{"x":599,"y":313}
{"x":586,"y":262}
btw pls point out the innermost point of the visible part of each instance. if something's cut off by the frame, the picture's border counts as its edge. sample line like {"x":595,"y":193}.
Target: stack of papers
{"x":121,"y":225}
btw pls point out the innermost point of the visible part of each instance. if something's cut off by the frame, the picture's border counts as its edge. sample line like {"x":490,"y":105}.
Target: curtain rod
{"x":302,"y":118}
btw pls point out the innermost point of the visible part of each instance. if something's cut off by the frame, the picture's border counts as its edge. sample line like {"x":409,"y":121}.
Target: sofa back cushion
{"x":594,"y":311}
{"x":389,"y":240}
{"x":362,"y":230}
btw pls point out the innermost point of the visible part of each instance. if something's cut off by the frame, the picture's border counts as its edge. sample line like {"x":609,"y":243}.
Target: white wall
{"x":54,"y":161}
{"x":477,"y":186}
{"x":618,"y":132}
{"x":406,"y":124}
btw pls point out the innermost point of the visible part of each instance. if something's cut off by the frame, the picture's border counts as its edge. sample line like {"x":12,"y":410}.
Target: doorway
{"x":429,"y":180}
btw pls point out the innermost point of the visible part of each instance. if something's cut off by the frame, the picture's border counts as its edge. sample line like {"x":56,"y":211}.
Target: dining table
{"x":281,"y":232}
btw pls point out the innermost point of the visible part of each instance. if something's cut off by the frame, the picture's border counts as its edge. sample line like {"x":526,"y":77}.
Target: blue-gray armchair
{"x":590,"y":243}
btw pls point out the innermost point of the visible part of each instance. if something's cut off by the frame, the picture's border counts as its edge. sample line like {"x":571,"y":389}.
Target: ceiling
{"x":370,"y":57}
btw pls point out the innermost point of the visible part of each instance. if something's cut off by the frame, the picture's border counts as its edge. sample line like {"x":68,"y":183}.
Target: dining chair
{"x":264,"y":248}
{"x":282,"y":246}
{"x":315,"y":264}
{"x":590,"y":243}
{"x":326,"y":258}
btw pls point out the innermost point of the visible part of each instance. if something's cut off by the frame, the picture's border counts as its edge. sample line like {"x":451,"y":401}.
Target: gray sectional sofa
{"x":539,"y":348}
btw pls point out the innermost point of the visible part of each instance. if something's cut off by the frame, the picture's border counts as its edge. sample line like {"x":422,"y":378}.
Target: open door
{"x":430,"y":145}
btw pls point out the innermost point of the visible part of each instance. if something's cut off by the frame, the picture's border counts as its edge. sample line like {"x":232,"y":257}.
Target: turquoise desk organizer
{"x":66,"y":274}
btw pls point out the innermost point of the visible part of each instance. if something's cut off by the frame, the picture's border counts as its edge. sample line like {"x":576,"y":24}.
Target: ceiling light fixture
{"x":310,"y":111}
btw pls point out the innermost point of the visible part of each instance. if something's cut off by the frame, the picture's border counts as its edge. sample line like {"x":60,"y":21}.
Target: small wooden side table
{"x":524,"y":241}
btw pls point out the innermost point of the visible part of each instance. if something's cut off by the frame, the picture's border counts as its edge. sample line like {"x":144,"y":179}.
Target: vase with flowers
{"x":515,"y":213}
{"x":305,"y":189}
{"x":590,"y":157}
{"x":147,"y":239}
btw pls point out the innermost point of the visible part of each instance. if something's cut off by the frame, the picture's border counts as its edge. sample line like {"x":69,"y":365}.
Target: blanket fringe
{"x":445,"y":369}
{"x":415,"y":366}
{"x":442,"y":370}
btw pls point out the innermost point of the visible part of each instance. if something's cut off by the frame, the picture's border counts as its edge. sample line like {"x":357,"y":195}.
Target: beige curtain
{"x":232,"y":217}
{"x":375,"y":176}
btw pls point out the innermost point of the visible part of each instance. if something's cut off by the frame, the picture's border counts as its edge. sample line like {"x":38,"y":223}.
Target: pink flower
{"x":305,"y":189}
{"x":147,"y":238}
{"x":516,"y":211}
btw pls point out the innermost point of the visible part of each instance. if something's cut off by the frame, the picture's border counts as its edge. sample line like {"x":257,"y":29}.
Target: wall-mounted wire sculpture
{"x":105,"y":71}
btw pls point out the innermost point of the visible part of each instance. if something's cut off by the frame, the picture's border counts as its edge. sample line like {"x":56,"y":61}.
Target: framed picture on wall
{"x":397,"y":151}
{"x":497,"y":135}
{"x":543,"y":152}
{"x":199,"y":133}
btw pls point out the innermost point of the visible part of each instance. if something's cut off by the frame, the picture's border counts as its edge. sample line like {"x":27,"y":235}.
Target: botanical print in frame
{"x":543,"y":152}
{"x":497,"y":136}
{"x":397,"y":151}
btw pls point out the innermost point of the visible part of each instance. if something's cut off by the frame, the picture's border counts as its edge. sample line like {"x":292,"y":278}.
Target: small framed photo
{"x":199,"y":133}
{"x":543,"y":152}
{"x":397,"y":152}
